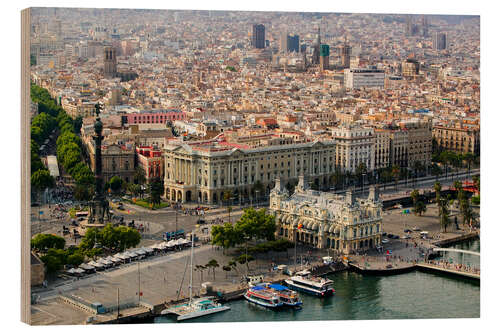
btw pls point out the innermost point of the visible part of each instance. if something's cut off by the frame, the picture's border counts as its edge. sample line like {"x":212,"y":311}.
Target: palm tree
{"x":476,"y":179}
{"x":468,"y":158}
{"x":226,"y":269}
{"x":396,"y":171}
{"x":414,"y":196}
{"x":212,"y":264}
{"x":200,"y":268}
{"x":420,"y":208}
{"x":444,"y":213}
{"x":437,"y":189}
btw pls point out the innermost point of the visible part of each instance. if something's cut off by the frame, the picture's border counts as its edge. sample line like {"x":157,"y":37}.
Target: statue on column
{"x":99,"y":207}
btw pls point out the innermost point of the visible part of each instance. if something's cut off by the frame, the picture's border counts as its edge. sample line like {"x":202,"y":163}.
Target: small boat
{"x":287,"y":296}
{"x":262,"y":296}
{"x":195,"y":308}
{"x":303,"y":281}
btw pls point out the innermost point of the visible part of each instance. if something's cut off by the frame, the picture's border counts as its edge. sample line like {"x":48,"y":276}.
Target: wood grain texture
{"x":25,"y":167}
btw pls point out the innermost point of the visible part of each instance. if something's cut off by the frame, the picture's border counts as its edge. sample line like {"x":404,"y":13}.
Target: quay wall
{"x":450,"y":241}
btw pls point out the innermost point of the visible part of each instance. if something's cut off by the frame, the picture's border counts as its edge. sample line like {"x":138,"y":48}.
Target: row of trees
{"x":469,"y":217}
{"x":55,"y":256}
{"x":456,"y":160}
{"x":53,"y":117}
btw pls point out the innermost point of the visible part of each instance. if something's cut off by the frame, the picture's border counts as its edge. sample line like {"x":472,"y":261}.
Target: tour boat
{"x":197,"y":307}
{"x":262,"y":296}
{"x":304,"y":282}
{"x":287,"y":296}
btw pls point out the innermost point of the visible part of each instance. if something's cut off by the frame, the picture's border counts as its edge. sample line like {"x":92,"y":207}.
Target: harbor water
{"x":405,"y":296}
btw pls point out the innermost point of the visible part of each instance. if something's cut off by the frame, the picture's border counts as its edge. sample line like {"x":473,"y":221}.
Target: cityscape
{"x":237,"y":166}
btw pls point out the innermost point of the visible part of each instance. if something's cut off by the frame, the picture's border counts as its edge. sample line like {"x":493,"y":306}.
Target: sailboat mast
{"x":191,"y":277}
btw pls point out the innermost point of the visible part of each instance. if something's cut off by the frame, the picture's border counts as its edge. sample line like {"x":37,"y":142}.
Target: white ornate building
{"x":327,"y":220}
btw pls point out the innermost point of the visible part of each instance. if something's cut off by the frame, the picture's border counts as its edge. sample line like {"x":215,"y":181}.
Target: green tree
{"x":396,"y":172}
{"x":414,"y":196}
{"x":156,"y":190}
{"x":115,"y":184}
{"x":420,"y":208}
{"x":139,"y":176}
{"x":212,"y":264}
{"x":476,"y":181}
{"x":225,"y":236}
{"x":226,"y":268}
{"x":44,"y":242}
{"x":75,"y":259}
{"x":256,"y":224}
{"x":360,"y":170}
{"x":52,"y":263}
{"x":200,"y":268}
{"x":437,"y":189}
{"x":83,"y":192}
{"x":245,"y":259}
{"x":444,"y":213}
{"x":41,"y":179}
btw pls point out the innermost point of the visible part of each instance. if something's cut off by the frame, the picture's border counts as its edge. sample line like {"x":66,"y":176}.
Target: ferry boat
{"x":287,"y":296}
{"x":195,"y":308}
{"x":262,"y":296}
{"x":303,"y":281}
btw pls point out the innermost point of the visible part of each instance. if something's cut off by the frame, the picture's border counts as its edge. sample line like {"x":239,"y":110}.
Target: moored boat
{"x":196,"y":308}
{"x":304,"y":282}
{"x":262,"y":296}
{"x":287,"y":296}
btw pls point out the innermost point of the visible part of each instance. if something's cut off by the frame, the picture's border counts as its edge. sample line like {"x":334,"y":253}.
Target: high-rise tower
{"x":109,"y":62}
{"x":316,"y":50}
{"x":259,"y":36}
{"x":345,"y":54}
{"x":440,"y":41}
{"x":324,"y":57}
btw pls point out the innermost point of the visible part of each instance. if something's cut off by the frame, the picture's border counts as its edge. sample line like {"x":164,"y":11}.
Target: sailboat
{"x":195,"y":307}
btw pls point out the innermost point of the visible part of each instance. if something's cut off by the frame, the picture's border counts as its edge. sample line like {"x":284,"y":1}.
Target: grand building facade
{"x":326,"y":220}
{"x":204,"y":172}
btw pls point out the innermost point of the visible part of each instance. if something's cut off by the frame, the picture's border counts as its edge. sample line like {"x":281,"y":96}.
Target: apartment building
{"x":354,"y":145}
{"x":459,"y":138}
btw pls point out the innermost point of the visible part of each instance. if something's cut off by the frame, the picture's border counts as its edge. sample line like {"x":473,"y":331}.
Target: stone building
{"x":326,"y":220}
{"x":355,"y":145}
{"x":459,"y":139}
{"x":37,"y":270}
{"x":203,"y":172}
{"x":117,"y":160}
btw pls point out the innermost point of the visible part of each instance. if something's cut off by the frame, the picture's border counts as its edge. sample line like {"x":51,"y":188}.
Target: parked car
{"x":385,"y":241}
{"x":407,"y":230}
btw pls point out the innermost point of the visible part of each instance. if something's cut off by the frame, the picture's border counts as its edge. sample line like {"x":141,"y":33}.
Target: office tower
{"x":315,"y":56}
{"x":283,"y":42}
{"x":292,"y":43}
{"x":425,"y":26}
{"x":440,"y":41}
{"x":109,"y":62}
{"x":345,"y":54}
{"x":324,"y":57}
{"x":408,"y":26}
{"x":259,"y":36}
